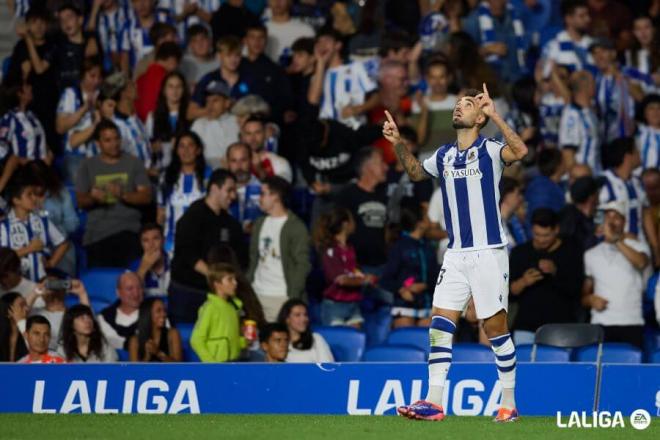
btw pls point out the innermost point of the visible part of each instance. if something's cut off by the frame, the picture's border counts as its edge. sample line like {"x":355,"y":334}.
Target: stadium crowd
{"x":228,"y":155}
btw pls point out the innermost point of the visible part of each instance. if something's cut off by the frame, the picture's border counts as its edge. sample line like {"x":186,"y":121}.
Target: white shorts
{"x":484,"y":274}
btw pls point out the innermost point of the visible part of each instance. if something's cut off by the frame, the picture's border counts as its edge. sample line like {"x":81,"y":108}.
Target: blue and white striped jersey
{"x":638,"y":69}
{"x":16,"y":234}
{"x":632,"y":194}
{"x":550,"y":110}
{"x":565,"y":52}
{"x":23,"y":135}
{"x":70,"y":101}
{"x":648,"y":143}
{"x":21,"y":8}
{"x":175,"y":8}
{"x":469,"y":181}
{"x":109,"y":26}
{"x":135,"y":40}
{"x":345,"y":85}
{"x":134,"y":137}
{"x":579,"y":128}
{"x":616,"y":107}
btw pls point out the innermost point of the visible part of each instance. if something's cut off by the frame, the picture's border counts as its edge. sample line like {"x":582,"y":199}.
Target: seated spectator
{"x":570,"y":48}
{"x":153,"y":268}
{"x":82,"y":340}
{"x":37,"y":335}
{"x":118,"y":321}
{"x":160,"y":33}
{"x":343,"y":294}
{"x":283,"y":30}
{"x":216,"y":336}
{"x":183,"y":183}
{"x":544,"y":190}
{"x":112,"y":187}
{"x":107,"y":19}
{"x":512,"y":210}
{"x":577,"y":218}
{"x":168,"y":57}
{"x":232,"y":18}
{"x":11,"y":275}
{"x":304,"y":345}
{"x":168,"y":120}
{"x":217,"y":128}
{"x":279,"y":250}
{"x":613,"y":287}
{"x":199,"y":59}
{"x":546,"y":278}
{"x":13,"y":311}
{"x":411,"y":271}
{"x":38,"y":243}
{"x":648,"y":133}
{"x":153,"y":340}
{"x":265,"y":163}
{"x":245,"y":208}
{"x":206,"y":224}
{"x":274,"y":341}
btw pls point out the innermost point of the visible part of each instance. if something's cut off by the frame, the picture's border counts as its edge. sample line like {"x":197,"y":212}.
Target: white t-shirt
{"x":281,"y":166}
{"x":618,"y":281}
{"x":124,"y":320}
{"x":217,"y":135}
{"x":281,"y":36}
{"x":269,"y":274}
{"x":319,"y":352}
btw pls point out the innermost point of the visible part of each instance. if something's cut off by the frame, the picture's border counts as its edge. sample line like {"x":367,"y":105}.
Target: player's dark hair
{"x":36,"y":319}
{"x":545,"y":218}
{"x":305,"y":44}
{"x":474,"y":93}
{"x":568,"y":7}
{"x":549,"y":160}
{"x":279,"y":186}
{"x":218,"y":178}
{"x":328,"y":225}
{"x":307,"y":337}
{"x":267,"y":330}
{"x":616,"y":151}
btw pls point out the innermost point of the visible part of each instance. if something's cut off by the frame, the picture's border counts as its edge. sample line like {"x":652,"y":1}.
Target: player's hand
{"x":390,"y":130}
{"x":532,"y":276}
{"x":598,"y":303}
{"x":548,"y":267}
{"x":486,"y":103}
{"x":36,"y":245}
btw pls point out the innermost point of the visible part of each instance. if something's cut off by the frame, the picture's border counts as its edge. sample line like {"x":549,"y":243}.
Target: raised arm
{"x":410,"y":163}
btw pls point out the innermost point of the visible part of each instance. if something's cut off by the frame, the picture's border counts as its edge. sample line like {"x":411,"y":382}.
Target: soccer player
{"x":476,"y":263}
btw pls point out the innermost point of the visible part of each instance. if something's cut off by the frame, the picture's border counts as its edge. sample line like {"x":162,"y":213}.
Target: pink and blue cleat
{"x":505,"y":415}
{"x":422,"y":410}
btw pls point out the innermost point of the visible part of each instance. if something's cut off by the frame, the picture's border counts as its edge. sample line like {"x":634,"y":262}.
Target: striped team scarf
{"x":615,"y":114}
{"x":487,"y":28}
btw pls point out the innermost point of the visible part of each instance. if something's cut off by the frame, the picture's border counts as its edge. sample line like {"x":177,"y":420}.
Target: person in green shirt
{"x":216,"y":336}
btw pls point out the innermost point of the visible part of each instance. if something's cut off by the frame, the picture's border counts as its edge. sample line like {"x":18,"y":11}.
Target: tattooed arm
{"x":410,"y":163}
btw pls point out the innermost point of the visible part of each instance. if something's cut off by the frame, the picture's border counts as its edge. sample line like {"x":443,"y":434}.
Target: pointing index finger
{"x":389,"y":117}
{"x":485,"y":90}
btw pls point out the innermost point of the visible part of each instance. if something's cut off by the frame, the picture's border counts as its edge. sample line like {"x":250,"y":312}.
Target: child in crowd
{"x":216,"y":336}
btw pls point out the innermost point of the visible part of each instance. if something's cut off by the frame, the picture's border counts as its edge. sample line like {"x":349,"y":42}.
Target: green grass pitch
{"x":281,"y":427}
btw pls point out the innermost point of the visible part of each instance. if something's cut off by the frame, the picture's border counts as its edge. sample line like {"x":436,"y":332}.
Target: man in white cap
{"x":613,"y":287}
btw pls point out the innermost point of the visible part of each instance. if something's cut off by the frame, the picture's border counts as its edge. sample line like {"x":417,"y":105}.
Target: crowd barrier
{"x":359,"y":388}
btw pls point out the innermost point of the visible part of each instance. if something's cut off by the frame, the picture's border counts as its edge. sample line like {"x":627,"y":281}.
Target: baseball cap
{"x":602,"y":42}
{"x":614,"y":205}
{"x":217,"y":88}
{"x":583,"y":187}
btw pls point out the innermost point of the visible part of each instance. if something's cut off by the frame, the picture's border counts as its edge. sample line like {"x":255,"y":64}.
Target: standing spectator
{"x":136,"y":37}
{"x":283,"y":30}
{"x":184,"y":182}
{"x":279,"y":250}
{"x":643,"y":58}
{"x":513,"y":218}
{"x":266,"y":163}
{"x":544,"y":190}
{"x":111,"y":187}
{"x":274,"y":341}
{"x":577,"y":218}
{"x":13,"y":311}
{"x":118,"y":321}
{"x":153,"y":268}
{"x":107,"y":18}
{"x":217,"y":128}
{"x":168,"y":57}
{"x":199,"y":59}
{"x":248,"y":188}
{"x":570,"y":48}
{"x":613,"y":288}
{"x":190,"y":13}
{"x":546,"y":277}
{"x":37,"y":335}
{"x":648,"y":133}
{"x":555,"y":95}
{"x":82,"y":339}
{"x":11,"y":276}
{"x":300,"y":72}
{"x":216,"y":335}
{"x":232,"y":18}
{"x":205,"y":225}
{"x":304,"y":345}
{"x":153,"y":340}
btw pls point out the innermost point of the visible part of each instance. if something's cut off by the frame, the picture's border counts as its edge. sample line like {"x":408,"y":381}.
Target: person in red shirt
{"x":168,"y":57}
{"x":37,"y":333}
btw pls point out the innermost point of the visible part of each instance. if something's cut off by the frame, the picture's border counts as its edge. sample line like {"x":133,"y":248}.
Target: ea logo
{"x":640,"y":419}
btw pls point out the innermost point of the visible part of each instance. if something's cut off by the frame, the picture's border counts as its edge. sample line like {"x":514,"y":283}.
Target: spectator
{"x":168,"y":120}
{"x":283,"y":30}
{"x":570,"y":48}
{"x":523,"y":114}
{"x":555,"y":95}
{"x":217,"y":128}
{"x":266,"y":163}
{"x":577,"y":219}
{"x":82,"y":339}
{"x":111,"y":187}
{"x":153,"y":268}
{"x":546,"y":277}
{"x":250,"y":106}
{"x":107,"y":19}
{"x":216,"y":336}
{"x":304,"y":345}
{"x":648,"y":132}
{"x":410,"y":271}
{"x":367,"y":202}
{"x":160,"y":33}
{"x":274,"y":341}
{"x":153,"y":340}
{"x":136,"y":37}
{"x":11,"y":277}
{"x":38,"y":243}
{"x":512,"y":211}
{"x":470,"y":68}
{"x":544,"y":190}
{"x":248,"y":188}
{"x":75,"y":114}
{"x":579,"y":128}
{"x":13,"y":311}
{"x":199,"y":59}
{"x":300,"y":72}
{"x":613,"y":288}
{"x":168,"y":57}
{"x":184,"y":182}
{"x":37,"y":335}
{"x":621,"y":186}
{"x":206,"y":224}
{"x":118,"y":321}
{"x":189,"y":14}
{"x":342,"y":296}
{"x":232,"y":18}
{"x":651,"y":182}
{"x":279,"y":250}
{"x":643,"y":58}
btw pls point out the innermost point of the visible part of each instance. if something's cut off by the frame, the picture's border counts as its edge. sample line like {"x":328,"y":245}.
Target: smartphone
{"x":58,"y":284}
{"x":599,"y":217}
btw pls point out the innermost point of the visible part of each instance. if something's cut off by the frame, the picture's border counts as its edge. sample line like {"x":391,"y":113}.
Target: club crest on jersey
{"x":462,"y":173}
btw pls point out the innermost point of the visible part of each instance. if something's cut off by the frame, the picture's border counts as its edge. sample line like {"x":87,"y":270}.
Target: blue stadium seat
{"x":98,"y":304}
{"x":394,"y":353}
{"x":655,"y":357}
{"x":347,"y":344}
{"x":185,"y":330}
{"x":612,"y":352}
{"x":651,"y":341}
{"x":122,"y":355}
{"x":71,"y":300}
{"x":544,"y":353}
{"x":415,"y":336}
{"x":101,"y":283}
{"x":189,"y":354}
{"x":472,"y":352}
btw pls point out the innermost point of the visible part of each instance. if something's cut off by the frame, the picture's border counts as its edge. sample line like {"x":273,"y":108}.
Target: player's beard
{"x":458,"y":125}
